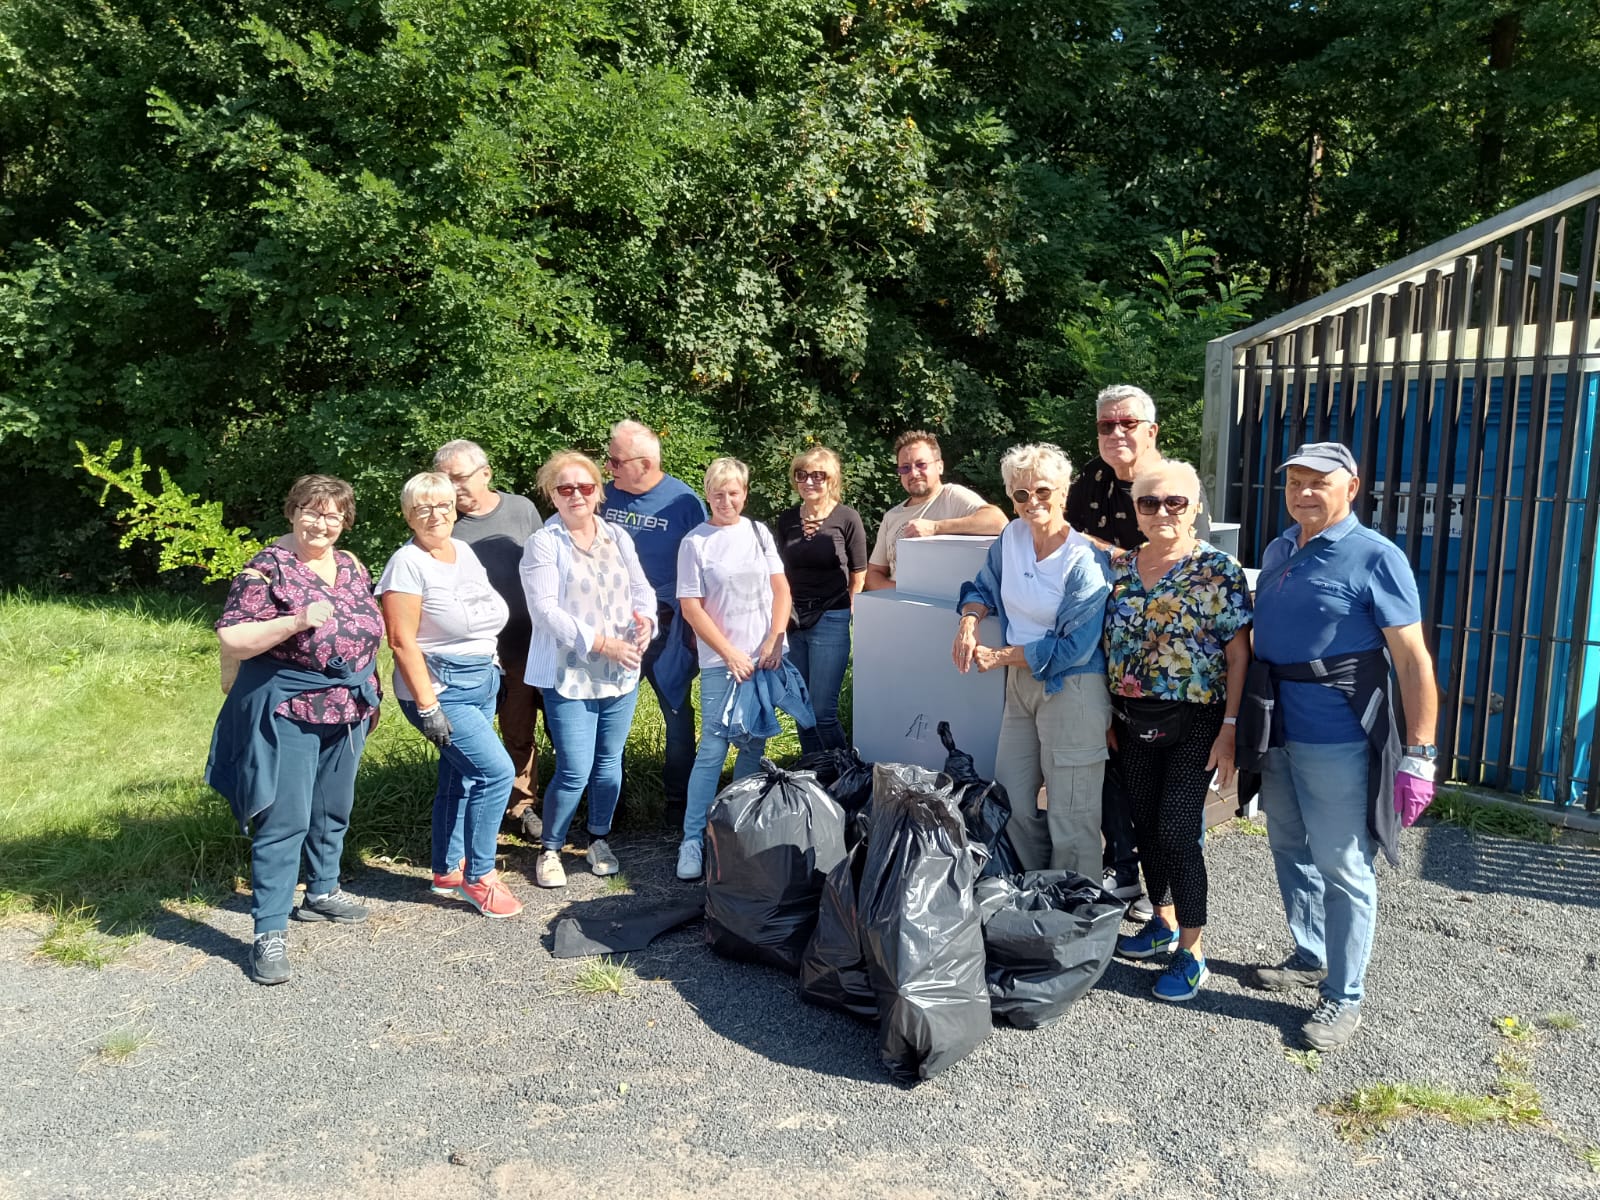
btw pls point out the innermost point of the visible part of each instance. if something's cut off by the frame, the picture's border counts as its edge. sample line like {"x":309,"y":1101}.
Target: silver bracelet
{"x":428,"y":712}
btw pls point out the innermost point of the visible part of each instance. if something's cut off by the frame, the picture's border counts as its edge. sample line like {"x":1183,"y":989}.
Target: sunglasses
{"x":817,"y":477}
{"x":566,"y":490}
{"x":614,"y":462}
{"x":907,"y":468}
{"x":1126,"y":424}
{"x":1042,"y":494}
{"x":1151,"y":505}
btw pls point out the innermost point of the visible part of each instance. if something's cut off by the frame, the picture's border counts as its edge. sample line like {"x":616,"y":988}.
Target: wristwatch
{"x":1428,"y":751}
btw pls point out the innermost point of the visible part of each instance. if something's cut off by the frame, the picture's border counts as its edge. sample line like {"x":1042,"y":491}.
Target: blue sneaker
{"x":1182,"y":978}
{"x":1155,"y":938}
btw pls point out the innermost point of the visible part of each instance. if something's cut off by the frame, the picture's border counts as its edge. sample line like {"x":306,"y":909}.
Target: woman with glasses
{"x":593,"y":616}
{"x":444,"y":620}
{"x":1176,"y":656}
{"x":733,"y":594}
{"x":823,"y":545}
{"x":1047,"y":583}
{"x":302,"y":623}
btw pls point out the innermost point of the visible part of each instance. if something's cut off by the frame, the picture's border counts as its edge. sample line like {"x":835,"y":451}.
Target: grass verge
{"x":1491,"y":819}
{"x":1376,"y":1107}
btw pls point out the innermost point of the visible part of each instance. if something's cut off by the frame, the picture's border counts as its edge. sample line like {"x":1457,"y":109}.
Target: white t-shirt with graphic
{"x":729,"y":569}
{"x":461,"y":613}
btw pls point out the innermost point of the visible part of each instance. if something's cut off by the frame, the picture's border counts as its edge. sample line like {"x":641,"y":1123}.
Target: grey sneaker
{"x":1122,"y":889}
{"x":1332,"y":1024}
{"x":601,"y":860}
{"x":532,"y":826}
{"x":1293,"y":972}
{"x":1141,"y":909}
{"x":691,"y":863}
{"x":335,"y":906}
{"x":269,"y":957}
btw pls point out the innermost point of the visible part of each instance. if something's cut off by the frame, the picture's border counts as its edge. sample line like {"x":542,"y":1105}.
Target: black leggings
{"x":1167,"y":789}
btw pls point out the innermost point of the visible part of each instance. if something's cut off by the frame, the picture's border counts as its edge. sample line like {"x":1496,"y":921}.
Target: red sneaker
{"x":491,"y":897}
{"x":449,"y":884}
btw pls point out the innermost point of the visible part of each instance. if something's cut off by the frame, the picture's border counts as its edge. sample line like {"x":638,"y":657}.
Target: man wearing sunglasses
{"x":931,"y":506}
{"x":496,"y":524}
{"x":658,"y":510}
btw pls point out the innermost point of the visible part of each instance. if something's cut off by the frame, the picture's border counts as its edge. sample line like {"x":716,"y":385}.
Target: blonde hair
{"x":1036,"y":460}
{"x":1170,"y":468}
{"x":559,"y":462}
{"x":820,"y":456}
{"x":425,"y":486}
{"x":723,"y":469}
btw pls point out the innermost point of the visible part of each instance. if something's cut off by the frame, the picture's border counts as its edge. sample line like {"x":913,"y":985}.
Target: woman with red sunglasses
{"x":593,"y":614}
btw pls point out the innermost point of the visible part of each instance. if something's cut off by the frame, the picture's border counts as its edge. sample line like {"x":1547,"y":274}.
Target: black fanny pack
{"x":806,"y":613}
{"x":1156,"y":723}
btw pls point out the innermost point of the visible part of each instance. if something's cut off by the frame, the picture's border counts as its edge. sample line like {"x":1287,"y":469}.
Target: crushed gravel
{"x":433,"y":1053}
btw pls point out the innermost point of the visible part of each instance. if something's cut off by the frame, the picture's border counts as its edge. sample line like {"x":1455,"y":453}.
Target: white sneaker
{"x":690,"y":864}
{"x":548,"y":871}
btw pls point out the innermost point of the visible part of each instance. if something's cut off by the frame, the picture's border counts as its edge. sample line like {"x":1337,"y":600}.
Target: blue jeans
{"x":679,"y":722}
{"x":316,"y":790}
{"x":716,"y":684}
{"x":475,"y":772}
{"x":821,"y":655}
{"x":1315,"y":800}
{"x":589,"y":737}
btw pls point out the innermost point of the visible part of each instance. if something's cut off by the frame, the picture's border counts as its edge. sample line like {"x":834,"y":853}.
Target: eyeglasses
{"x":1042,"y":494}
{"x":427,"y":511}
{"x":817,"y":477}
{"x":1126,"y":424}
{"x":614,"y":462}
{"x":922,"y":468}
{"x":1151,"y":505}
{"x":466,"y":475}
{"x":326,"y":519}
{"x":566,"y":490}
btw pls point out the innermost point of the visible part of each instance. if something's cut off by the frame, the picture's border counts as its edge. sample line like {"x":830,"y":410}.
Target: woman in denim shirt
{"x":1048,"y":584}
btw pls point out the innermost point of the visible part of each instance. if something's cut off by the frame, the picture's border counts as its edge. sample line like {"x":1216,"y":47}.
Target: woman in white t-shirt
{"x":734,"y":595}
{"x":443,"y":620}
{"x":593,"y":616}
{"x":1048,"y":585}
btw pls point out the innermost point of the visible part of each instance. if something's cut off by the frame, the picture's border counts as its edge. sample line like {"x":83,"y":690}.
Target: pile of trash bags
{"x":920,"y":921}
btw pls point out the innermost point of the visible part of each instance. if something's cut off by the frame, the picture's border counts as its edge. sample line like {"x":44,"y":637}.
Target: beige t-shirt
{"x":953,"y":500}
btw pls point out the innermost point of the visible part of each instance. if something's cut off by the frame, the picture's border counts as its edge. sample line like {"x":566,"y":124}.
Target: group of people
{"x":1129,"y":672}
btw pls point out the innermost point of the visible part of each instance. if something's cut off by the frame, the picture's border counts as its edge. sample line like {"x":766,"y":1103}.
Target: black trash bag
{"x":985,"y":807}
{"x":920,"y":925}
{"x":771,"y":839}
{"x":1049,"y":936}
{"x":847,"y":778}
{"x":833,"y":970}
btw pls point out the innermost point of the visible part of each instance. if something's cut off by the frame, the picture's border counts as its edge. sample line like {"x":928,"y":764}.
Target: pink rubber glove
{"x":1413,"y":789}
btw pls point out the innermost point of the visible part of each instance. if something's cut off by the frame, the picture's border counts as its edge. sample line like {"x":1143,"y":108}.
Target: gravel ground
{"x":431,"y":1052}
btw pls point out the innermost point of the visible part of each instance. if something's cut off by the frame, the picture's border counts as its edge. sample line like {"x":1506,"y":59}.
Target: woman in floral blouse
{"x":1176,"y":654}
{"x":302,"y":619}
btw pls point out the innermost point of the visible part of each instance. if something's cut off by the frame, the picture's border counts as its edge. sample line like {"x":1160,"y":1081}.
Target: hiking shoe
{"x":491,"y":897}
{"x":269,"y":957}
{"x":1157,"y":937}
{"x":548,"y":871}
{"x":1332,"y":1024}
{"x":449,"y":884}
{"x":1141,"y":909}
{"x":691,"y":864}
{"x":1182,"y":978}
{"x":335,"y":906}
{"x":601,"y":860}
{"x":532,"y":825}
{"x":1127,"y":889}
{"x":1293,"y":972}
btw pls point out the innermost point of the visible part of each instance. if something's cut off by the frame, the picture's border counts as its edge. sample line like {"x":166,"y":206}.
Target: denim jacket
{"x":1073,"y":646}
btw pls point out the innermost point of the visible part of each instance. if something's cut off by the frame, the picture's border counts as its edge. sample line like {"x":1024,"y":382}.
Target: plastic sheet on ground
{"x":985,"y":807}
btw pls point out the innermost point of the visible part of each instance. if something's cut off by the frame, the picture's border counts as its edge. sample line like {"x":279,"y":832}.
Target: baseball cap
{"x":1321,"y":456}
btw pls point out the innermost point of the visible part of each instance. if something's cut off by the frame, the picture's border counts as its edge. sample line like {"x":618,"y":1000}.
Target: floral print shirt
{"x":1166,"y":643}
{"x":353,"y":632}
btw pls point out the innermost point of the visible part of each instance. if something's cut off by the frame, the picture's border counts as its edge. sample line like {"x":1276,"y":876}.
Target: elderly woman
{"x":1176,"y":655}
{"x":734,"y":595}
{"x":1047,"y":583}
{"x":593,"y":616}
{"x":302,"y":619}
{"x":444,"y":618}
{"x":823,"y":545}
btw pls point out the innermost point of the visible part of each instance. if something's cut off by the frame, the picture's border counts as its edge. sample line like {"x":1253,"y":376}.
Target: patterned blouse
{"x":1167,"y":642}
{"x":353,"y":632}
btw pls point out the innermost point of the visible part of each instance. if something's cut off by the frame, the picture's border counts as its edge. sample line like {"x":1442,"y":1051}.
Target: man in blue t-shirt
{"x":658,"y":511}
{"x":1331,"y":587}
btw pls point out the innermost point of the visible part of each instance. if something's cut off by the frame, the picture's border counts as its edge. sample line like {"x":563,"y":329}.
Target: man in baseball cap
{"x":1336,"y":603}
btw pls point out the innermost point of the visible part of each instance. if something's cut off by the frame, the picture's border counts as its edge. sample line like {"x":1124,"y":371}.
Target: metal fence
{"x":1466,"y":380}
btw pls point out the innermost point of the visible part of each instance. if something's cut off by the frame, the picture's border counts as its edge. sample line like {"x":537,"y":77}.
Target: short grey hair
{"x":1181,"y":473}
{"x":1118,"y":392}
{"x":1036,"y":460}
{"x":450,"y":451}
{"x":633,"y":433}
{"x":723,"y":469}
{"x":423,"y":487}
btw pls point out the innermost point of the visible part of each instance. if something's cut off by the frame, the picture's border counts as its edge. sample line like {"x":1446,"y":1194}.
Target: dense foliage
{"x":261,"y":238}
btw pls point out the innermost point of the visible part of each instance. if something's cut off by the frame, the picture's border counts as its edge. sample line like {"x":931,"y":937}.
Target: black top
{"x":819,"y":567}
{"x":1101,"y":505}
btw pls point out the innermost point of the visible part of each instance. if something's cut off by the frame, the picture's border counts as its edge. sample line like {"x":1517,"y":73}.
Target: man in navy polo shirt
{"x":1332,"y":596}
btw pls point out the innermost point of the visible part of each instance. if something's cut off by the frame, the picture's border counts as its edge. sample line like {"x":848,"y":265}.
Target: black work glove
{"x":436,"y":726}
